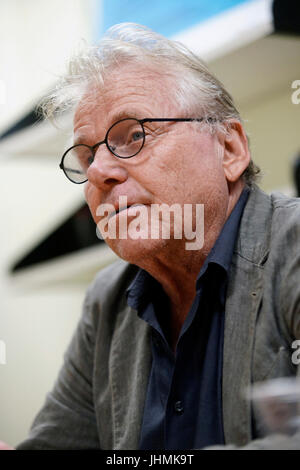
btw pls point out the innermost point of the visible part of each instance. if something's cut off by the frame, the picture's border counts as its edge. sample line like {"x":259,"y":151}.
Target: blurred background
{"x":49,"y":251}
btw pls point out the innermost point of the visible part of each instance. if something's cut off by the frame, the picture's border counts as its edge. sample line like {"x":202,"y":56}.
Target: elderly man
{"x":171,"y":337}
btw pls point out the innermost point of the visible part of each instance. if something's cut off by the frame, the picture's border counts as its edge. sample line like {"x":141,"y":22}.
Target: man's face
{"x":179,"y":163}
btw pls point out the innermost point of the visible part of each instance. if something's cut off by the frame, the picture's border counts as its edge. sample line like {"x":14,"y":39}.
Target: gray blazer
{"x":98,"y":398}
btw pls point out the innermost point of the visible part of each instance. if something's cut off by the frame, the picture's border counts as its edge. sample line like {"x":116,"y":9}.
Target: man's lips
{"x":125,"y":208}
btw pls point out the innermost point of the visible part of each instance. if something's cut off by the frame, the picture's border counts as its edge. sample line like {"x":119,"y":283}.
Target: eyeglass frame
{"x":141,"y":122}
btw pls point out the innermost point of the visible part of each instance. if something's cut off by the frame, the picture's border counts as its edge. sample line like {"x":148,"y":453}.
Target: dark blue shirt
{"x":183,"y":408}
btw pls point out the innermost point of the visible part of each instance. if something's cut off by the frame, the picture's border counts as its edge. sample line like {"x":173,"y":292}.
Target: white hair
{"x":197,"y":92}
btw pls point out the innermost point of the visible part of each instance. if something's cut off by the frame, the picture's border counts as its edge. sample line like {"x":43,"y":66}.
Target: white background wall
{"x":273,"y":123}
{"x":36,"y":320}
{"x":36,"y":38}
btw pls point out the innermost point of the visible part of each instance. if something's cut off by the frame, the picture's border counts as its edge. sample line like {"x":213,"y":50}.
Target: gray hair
{"x":196,"y":89}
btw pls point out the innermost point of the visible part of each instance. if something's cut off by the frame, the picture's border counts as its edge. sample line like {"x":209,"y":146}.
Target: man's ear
{"x":236,"y":151}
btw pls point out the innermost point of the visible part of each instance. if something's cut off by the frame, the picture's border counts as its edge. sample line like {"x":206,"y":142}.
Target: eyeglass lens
{"x":76,"y":162}
{"x":126,"y":138}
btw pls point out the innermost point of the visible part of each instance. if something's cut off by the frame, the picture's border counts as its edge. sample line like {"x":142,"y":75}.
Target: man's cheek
{"x":91,"y":200}
{"x":87,"y":191}
{"x":93,"y":210}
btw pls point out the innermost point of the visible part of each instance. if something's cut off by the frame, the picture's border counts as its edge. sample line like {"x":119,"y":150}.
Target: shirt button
{"x":178,"y":407}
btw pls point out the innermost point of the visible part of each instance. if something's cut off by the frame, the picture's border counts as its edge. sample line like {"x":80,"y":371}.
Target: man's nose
{"x":106,"y":169}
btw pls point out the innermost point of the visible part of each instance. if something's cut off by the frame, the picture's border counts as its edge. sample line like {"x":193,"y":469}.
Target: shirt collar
{"x":222,"y":251}
{"x":140,"y":289}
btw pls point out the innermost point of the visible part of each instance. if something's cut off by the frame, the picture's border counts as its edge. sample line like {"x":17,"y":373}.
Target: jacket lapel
{"x":243,"y":299}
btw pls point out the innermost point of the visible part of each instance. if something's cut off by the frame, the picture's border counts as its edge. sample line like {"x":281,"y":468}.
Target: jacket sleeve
{"x":67,"y":420}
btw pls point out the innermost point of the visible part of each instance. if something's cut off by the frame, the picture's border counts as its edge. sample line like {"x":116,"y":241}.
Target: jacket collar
{"x":254,"y":234}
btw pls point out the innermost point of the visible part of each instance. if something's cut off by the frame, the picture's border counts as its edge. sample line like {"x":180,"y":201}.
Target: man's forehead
{"x":125,"y":87}
{"x":109,"y":114}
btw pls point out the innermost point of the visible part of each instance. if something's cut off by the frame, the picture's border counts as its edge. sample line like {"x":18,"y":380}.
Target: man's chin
{"x":135,"y":251}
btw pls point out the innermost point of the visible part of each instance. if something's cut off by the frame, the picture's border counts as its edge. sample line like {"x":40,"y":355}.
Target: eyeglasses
{"x":124,"y":139}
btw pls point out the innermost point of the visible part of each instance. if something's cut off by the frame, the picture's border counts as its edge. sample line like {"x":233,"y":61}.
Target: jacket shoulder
{"x":282,"y":200}
{"x":286,"y":220}
{"x":111,"y":282}
{"x":284,"y":261}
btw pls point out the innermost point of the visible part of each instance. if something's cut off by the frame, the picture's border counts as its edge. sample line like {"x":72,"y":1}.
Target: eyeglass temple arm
{"x":170,"y":119}
{"x":210,"y":119}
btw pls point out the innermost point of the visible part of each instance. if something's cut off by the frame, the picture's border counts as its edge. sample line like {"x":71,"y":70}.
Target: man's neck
{"x":178,"y":281}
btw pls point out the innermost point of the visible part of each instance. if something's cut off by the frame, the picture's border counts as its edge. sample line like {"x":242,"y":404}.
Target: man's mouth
{"x":124,"y":208}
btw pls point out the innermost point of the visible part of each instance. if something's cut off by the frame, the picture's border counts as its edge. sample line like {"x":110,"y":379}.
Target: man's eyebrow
{"x":125,"y":114}
{"x":80,"y":139}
